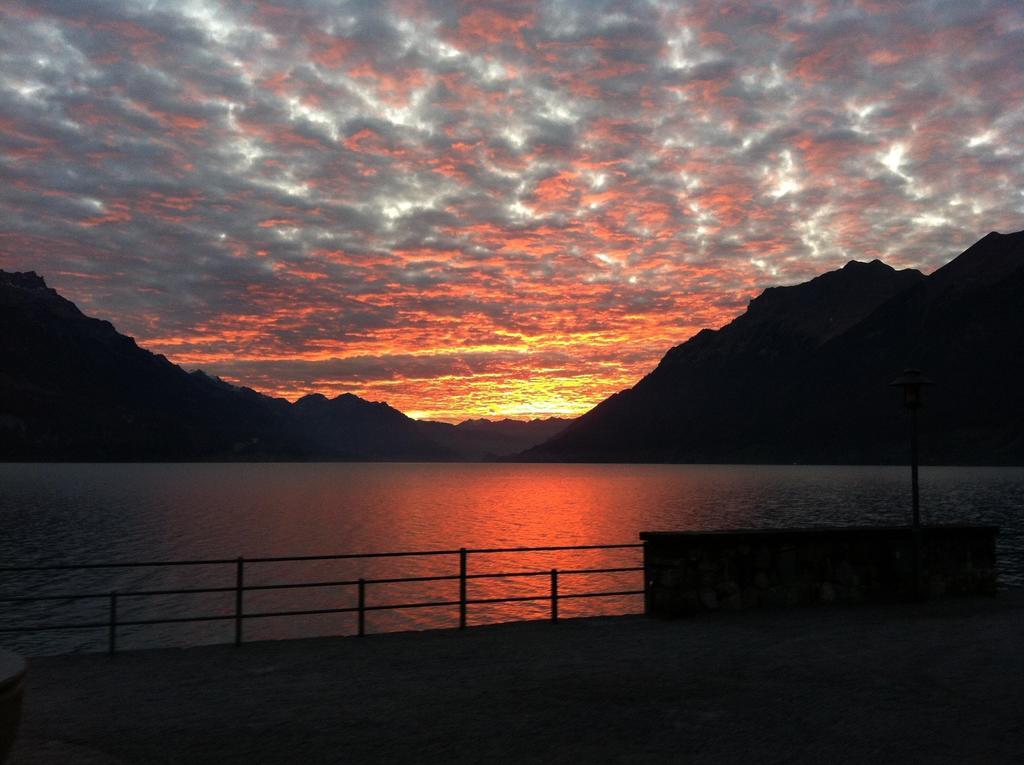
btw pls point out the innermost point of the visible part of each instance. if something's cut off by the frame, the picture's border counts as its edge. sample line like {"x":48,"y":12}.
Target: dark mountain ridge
{"x":802,"y":375}
{"x":348,"y":427}
{"x":73,"y":388}
{"x":491,"y":439}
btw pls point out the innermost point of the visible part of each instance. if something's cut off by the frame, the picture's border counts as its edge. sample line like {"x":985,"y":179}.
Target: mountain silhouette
{"x":482,"y":439}
{"x":801,"y":376}
{"x":73,"y":388}
{"x":349,"y":427}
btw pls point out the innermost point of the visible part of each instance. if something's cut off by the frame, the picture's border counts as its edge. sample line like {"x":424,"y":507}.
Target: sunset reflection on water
{"x":85,"y":513}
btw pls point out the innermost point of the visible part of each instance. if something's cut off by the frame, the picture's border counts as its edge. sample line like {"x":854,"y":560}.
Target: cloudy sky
{"x":488,"y":208}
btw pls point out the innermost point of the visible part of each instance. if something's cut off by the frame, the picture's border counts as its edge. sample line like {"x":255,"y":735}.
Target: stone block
{"x":845,"y":574}
{"x":709,"y":600}
{"x":727,"y":589}
{"x":787,"y":564}
{"x":762,"y":558}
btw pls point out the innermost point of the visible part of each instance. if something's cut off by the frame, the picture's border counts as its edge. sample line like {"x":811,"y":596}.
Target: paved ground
{"x":939,"y":682}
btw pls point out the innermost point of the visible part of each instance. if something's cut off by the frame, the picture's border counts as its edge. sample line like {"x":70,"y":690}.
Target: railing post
{"x":112,"y":643}
{"x":362,"y":608}
{"x":462,"y":588}
{"x":239,"y":584}
{"x":554,"y":596}
{"x":648,"y":575}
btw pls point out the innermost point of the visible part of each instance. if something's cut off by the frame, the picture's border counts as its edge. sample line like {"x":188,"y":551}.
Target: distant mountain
{"x":349,"y":427}
{"x":490,"y":439}
{"x":802,"y":375}
{"x":73,"y":388}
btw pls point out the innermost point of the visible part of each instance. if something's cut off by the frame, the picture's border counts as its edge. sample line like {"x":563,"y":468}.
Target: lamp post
{"x":912,"y":381}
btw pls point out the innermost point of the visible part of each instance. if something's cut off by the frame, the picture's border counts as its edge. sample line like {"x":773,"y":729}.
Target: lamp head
{"x":911,"y":381}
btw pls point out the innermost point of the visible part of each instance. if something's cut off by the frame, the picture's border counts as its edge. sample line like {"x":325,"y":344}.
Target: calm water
{"x":82,"y":513}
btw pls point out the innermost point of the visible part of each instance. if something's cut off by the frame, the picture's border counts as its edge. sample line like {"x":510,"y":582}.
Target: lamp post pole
{"x":915,"y":494}
{"x":911,"y":381}
{"x":914,"y":490}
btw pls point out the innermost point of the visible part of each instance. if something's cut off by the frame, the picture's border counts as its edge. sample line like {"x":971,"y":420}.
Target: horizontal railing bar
{"x":507,"y":574}
{"x":247,"y":588}
{"x":171,"y":620}
{"x":401,"y":579}
{"x":174,"y":620}
{"x":302,"y":612}
{"x":552,"y":548}
{"x":34,"y":598}
{"x":352,"y":582}
{"x":127,"y":564}
{"x":299,"y":585}
{"x":517,"y":599}
{"x":386,"y":607}
{"x":48,"y":627}
{"x":223,"y":561}
{"x":188,"y":591}
{"x":481,"y":601}
{"x":314,"y":611}
{"x":598,"y":594}
{"x":400,"y":606}
{"x":504,"y":575}
{"x":396,"y":606}
{"x":439,"y":578}
{"x":125,"y":593}
{"x":349,"y":556}
{"x":299,"y":558}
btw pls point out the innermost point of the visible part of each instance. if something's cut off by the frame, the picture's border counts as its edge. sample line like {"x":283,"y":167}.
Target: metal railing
{"x":362,"y":607}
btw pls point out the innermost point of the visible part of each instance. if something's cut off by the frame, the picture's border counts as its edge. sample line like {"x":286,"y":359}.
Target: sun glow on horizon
{"x":475,"y":396}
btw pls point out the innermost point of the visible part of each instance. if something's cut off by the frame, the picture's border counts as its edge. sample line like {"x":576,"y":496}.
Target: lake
{"x":61,"y":513}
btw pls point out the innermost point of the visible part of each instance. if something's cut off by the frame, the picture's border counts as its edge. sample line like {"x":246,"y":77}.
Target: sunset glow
{"x":488,"y":209}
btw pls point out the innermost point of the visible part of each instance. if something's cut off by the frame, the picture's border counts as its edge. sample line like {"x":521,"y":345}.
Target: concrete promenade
{"x":937,"y":682}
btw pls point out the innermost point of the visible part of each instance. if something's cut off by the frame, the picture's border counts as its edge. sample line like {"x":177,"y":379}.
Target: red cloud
{"x":484,"y":27}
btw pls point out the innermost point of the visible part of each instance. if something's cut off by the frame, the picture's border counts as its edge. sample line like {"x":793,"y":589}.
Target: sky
{"x":488,"y":209}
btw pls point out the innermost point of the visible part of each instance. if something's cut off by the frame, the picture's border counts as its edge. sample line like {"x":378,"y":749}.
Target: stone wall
{"x":691,"y":572}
